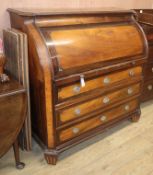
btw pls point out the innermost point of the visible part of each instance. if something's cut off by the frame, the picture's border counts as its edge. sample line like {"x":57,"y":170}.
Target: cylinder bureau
{"x":86,"y":72}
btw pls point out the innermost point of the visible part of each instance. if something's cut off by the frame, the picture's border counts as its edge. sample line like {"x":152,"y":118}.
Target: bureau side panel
{"x":41,"y":87}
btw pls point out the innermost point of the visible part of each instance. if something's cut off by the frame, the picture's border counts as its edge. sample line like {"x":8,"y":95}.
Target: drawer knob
{"x":150,"y":87}
{"x":60,"y":69}
{"x":152,"y":69}
{"x":75,"y":130}
{"x":130,"y":91}
{"x":103,"y":118}
{"x":76,"y":89}
{"x":82,"y":81}
{"x":106,"y":80}
{"x":127,"y":107}
{"x":106,"y":100}
{"x":131,"y":73}
{"x":77,"y":111}
{"x":133,"y":63}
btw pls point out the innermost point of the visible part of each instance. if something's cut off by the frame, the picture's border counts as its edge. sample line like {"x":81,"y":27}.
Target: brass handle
{"x":106,"y":80}
{"x":106,"y":100}
{"x":77,"y":111}
{"x":131,"y":73}
{"x":75,"y":130}
{"x":127,"y":107}
{"x":130,"y":91}
{"x":150,"y":87}
{"x":103,"y":118}
{"x":76,"y":89}
{"x":152,"y":69}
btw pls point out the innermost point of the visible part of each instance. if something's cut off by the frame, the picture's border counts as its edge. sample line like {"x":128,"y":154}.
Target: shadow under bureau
{"x":86,"y":72}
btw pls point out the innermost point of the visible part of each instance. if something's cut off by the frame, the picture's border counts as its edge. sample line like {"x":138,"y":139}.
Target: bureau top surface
{"x":44,"y":12}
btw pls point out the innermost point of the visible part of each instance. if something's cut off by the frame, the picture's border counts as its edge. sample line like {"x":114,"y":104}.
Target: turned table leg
{"x":19,"y":165}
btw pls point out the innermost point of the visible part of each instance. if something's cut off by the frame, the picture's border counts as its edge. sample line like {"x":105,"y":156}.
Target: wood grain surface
{"x":90,"y":106}
{"x":12,"y":114}
{"x":95,"y":122}
{"x":74,"y":47}
{"x":146,"y":21}
{"x":98,"y":82}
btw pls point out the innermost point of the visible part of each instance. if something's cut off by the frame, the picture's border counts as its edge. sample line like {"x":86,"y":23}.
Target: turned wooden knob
{"x":103,"y":118}
{"x":106,"y":80}
{"x":3,"y":77}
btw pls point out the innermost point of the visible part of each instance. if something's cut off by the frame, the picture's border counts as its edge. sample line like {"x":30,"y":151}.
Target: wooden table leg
{"x":19,"y":165}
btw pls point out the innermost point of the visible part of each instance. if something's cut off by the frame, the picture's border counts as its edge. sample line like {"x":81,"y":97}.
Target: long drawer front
{"x":78,"y":111}
{"x":100,"y":82}
{"x":78,"y":129}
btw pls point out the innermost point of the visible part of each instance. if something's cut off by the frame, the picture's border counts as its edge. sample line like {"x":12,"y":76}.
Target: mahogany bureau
{"x":145,"y":18}
{"x":86,"y":72}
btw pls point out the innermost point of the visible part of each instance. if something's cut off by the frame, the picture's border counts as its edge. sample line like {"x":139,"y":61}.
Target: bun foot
{"x":135,"y":118}
{"x":20,"y":165}
{"x":51,"y":158}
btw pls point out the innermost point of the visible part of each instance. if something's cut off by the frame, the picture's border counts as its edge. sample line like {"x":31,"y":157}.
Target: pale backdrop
{"x":4,"y":18}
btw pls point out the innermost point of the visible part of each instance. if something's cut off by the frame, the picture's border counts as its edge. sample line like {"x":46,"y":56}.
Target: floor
{"x":126,"y":149}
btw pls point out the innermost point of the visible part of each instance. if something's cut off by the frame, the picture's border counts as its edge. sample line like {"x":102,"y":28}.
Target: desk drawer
{"x":149,"y":71}
{"x":150,"y":57}
{"x":92,"y":123}
{"x":147,"y":90}
{"x":99,"y":82}
{"x":100,"y":102}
